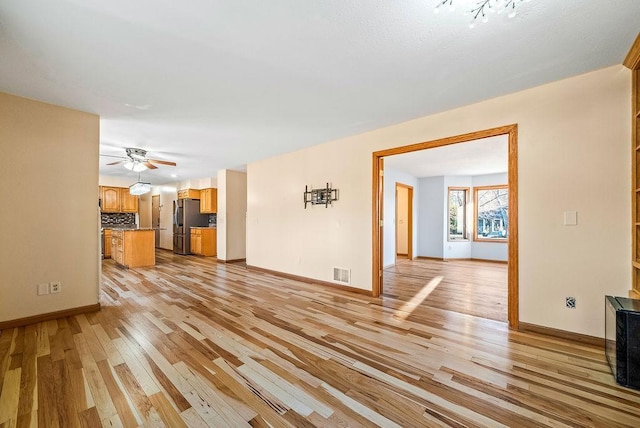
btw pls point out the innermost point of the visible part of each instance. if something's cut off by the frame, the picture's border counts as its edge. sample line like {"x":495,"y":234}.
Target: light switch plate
{"x":43,"y":289}
{"x":570,"y":218}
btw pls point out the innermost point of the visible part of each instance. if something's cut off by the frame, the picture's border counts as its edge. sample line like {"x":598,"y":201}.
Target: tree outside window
{"x":458,"y":197}
{"x":491,"y":213}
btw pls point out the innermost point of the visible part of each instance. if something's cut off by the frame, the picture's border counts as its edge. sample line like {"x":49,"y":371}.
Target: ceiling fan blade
{"x":150,"y":165}
{"x":116,"y":162}
{"x":161,"y":162}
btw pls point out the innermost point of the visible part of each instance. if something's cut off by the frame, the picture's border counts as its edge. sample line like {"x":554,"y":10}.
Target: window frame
{"x":476,"y":238}
{"x":465,"y":232}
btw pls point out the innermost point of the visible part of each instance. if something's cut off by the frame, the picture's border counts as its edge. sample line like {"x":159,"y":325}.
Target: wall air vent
{"x":342,"y":275}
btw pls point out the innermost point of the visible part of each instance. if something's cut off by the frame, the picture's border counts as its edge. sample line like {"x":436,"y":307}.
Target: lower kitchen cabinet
{"x":107,"y":243}
{"x":203,"y":241}
{"x":133,"y":248}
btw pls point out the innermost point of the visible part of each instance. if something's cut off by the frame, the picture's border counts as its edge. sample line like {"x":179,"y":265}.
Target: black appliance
{"x":622,"y":339}
{"x":186,"y":214}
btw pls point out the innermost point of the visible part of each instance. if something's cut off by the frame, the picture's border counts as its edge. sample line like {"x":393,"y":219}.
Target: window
{"x":458,"y":197}
{"x":492,"y":213}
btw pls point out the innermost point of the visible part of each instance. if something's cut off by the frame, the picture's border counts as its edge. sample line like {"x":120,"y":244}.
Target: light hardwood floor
{"x":190,"y":342}
{"x":467,"y":286}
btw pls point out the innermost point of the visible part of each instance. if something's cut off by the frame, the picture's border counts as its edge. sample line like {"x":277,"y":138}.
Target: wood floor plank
{"x":80,"y":392}
{"x":99,"y":392}
{"x":66,"y":405}
{"x":28,"y":378}
{"x":89,"y":418}
{"x":9,"y":397}
{"x":136,"y":363}
{"x":43,"y":344}
{"x":47,"y":399}
{"x":29,"y":420}
{"x":168,"y":414}
{"x":139,"y":400}
{"x":124,"y":410}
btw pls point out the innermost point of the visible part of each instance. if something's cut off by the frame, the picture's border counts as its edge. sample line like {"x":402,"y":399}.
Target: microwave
{"x":622,"y":339}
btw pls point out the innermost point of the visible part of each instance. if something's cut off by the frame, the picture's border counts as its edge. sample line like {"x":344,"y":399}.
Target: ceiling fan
{"x":136,"y":160}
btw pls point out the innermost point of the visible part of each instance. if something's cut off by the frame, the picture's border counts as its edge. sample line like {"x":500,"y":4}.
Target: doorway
{"x":155,"y":217}
{"x":378,"y":214}
{"x":404,"y":221}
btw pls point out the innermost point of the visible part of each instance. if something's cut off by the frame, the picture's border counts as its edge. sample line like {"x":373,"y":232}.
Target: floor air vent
{"x":341,"y":275}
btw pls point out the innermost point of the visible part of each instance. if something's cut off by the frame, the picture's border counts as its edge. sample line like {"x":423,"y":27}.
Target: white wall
{"x":144,"y":210}
{"x":391,"y":178}
{"x":573,"y":143}
{"x":50,"y":219}
{"x":198,"y":183}
{"x":489,"y":250}
{"x":231,"y":216}
{"x":431,"y":222}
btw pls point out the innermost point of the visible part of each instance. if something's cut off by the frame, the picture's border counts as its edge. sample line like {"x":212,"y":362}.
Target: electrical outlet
{"x":56,"y":287}
{"x":43,"y":289}
{"x":570,"y":302}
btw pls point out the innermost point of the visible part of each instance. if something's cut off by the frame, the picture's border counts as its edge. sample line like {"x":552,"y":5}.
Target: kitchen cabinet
{"x":208,"y":201}
{"x":196,"y":242}
{"x":188,"y":194}
{"x":128,"y":202}
{"x":107,"y":243}
{"x":118,"y":200}
{"x":110,"y":199}
{"x":203,"y":241}
{"x":133,"y":248}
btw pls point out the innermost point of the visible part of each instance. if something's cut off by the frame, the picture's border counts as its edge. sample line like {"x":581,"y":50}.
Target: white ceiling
{"x":479,"y":157}
{"x":215,"y":84}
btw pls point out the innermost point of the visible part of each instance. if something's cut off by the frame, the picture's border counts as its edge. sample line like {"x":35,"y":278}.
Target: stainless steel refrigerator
{"x":186,"y":214}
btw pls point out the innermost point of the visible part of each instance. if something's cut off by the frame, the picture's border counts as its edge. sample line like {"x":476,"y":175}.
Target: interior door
{"x":155,"y":217}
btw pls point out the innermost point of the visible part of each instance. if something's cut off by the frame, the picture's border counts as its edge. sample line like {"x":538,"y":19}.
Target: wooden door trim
{"x":632,"y":60}
{"x":377,"y":206}
{"x":395,"y":227}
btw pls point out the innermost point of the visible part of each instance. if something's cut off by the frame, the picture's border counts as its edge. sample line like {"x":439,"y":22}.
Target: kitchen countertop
{"x":203,"y":227}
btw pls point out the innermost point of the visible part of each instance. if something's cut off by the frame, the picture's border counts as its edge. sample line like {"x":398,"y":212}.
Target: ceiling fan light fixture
{"x":134,"y":165}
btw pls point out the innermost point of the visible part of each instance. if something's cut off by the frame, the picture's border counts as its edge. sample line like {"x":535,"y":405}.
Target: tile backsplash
{"x":117,"y":219}
{"x":129,"y":219}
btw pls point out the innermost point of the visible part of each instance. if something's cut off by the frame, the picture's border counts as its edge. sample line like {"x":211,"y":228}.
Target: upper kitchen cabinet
{"x":208,"y":201}
{"x":189,"y":194}
{"x":110,"y":199}
{"x":128,"y":202}
{"x":118,"y":200}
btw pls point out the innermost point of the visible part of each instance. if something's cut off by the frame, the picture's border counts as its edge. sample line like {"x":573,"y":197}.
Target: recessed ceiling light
{"x":174,"y":175}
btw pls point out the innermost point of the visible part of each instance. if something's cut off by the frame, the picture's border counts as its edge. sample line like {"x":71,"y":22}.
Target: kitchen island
{"x":133,"y":247}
